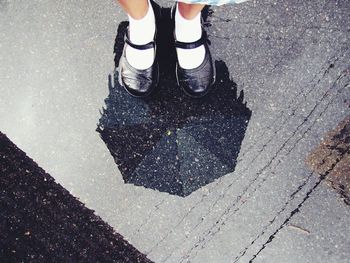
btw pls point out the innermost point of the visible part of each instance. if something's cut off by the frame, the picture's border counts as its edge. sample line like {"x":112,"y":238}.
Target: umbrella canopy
{"x":172,"y":143}
{"x":168,"y":141}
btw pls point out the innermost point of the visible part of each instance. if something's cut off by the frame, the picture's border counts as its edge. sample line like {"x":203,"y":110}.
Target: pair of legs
{"x":142,"y":27}
{"x":137,"y":8}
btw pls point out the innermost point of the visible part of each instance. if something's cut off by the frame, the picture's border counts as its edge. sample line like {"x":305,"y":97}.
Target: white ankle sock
{"x":141,"y":32}
{"x":189,"y":31}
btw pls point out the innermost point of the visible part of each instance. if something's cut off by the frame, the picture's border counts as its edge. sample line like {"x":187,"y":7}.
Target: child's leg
{"x":190,"y":11}
{"x":137,"y":9}
{"x":188,"y":29}
{"x":141,"y":31}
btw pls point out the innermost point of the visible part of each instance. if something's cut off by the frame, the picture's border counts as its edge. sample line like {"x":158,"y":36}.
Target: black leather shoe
{"x":139,"y":83}
{"x":199,"y":81}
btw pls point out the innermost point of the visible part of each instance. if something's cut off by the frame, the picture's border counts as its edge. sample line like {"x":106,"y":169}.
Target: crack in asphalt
{"x":241,"y":254}
{"x":285,"y":120}
{"x":266,"y":227}
{"x":149,"y":216}
{"x":329,"y":65}
{"x":295,"y":211}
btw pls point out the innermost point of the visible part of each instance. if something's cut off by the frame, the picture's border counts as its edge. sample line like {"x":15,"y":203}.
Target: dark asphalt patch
{"x":41,"y":222}
{"x":332,"y":158}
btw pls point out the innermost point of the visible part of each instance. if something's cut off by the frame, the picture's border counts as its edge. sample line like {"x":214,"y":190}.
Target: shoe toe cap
{"x":138,"y":82}
{"x":197,"y":82}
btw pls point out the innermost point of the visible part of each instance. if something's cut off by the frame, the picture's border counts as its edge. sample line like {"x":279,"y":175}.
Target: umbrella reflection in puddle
{"x":168,"y":141}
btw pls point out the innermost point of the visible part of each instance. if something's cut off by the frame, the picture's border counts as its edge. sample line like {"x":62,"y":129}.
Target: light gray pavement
{"x":291,"y":58}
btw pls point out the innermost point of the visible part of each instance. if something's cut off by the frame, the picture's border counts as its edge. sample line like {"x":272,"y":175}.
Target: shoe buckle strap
{"x":191,"y":45}
{"x":140,"y":47}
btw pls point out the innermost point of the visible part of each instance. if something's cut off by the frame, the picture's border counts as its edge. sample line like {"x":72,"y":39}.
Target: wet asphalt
{"x":290,"y":62}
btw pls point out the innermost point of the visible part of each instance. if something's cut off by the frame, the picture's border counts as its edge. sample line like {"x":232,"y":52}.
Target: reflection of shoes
{"x":138,"y":83}
{"x":196,"y":82}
